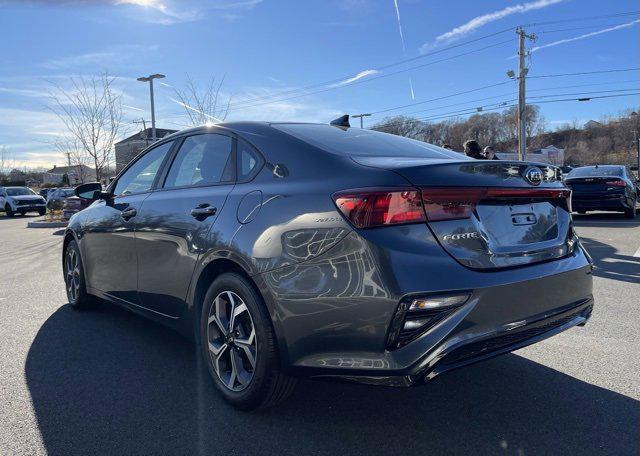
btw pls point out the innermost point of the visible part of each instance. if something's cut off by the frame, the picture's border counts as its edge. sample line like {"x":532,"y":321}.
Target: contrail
{"x":360,"y":75}
{"x":586,"y":35}
{"x":194,"y":109}
{"x":404,"y":48}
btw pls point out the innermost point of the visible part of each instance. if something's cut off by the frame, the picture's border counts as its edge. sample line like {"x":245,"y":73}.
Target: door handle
{"x":128,"y":213}
{"x":202,"y":211}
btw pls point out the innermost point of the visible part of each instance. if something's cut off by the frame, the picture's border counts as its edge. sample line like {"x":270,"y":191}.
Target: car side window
{"x":248,"y":160}
{"x":140,"y":176}
{"x":201,"y":160}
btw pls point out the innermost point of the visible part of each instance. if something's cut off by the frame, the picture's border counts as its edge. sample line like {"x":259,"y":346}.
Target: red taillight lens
{"x":450,"y":203}
{"x":459,"y":203}
{"x":616,"y":183}
{"x":372,"y":208}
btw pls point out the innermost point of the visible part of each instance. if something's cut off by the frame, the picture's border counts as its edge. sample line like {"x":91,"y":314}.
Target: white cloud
{"x":586,"y":35}
{"x":484,"y":19}
{"x":165,"y":14}
{"x":362,"y":74}
{"x":107,"y":58}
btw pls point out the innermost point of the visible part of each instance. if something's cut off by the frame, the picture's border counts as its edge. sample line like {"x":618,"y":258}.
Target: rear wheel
{"x":74,"y":279}
{"x":238,"y":345}
{"x":631,"y":212}
{"x":42,"y":211}
{"x":8,"y":211}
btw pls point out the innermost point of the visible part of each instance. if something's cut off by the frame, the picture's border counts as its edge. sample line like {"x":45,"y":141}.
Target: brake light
{"x":616,"y":183}
{"x":380,"y":207}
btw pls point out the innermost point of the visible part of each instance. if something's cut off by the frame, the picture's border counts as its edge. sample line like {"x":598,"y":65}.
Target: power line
{"x":578,"y":19}
{"x":373,"y":78}
{"x":443,"y":97}
{"x":581,"y":73}
{"x":499,"y":106}
{"x":379,"y":68}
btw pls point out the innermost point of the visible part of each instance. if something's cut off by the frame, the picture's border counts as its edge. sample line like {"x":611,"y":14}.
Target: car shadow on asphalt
{"x":611,"y":264}
{"x":605,"y":220}
{"x":110,"y":382}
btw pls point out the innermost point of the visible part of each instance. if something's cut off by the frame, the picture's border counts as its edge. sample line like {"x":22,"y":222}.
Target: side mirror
{"x":90,"y":191}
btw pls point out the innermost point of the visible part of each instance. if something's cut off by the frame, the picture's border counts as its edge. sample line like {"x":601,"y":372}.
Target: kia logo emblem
{"x":533,"y":175}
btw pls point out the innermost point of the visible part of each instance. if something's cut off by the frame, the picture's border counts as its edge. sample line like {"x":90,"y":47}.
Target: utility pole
{"x":361,"y":116}
{"x":68,"y":154}
{"x":522,"y":97}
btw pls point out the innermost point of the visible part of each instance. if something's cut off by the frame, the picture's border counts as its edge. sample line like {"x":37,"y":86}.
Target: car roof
{"x":235,"y":126}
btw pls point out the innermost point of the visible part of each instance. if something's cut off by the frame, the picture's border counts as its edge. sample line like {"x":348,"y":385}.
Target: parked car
{"x":55,"y":199}
{"x":289,"y":249}
{"x":72,"y":205}
{"x":45,"y":191}
{"x":603,"y":188}
{"x":21,"y":200}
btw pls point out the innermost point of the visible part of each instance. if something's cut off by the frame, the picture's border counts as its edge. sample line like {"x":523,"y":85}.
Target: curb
{"x":46,"y":224}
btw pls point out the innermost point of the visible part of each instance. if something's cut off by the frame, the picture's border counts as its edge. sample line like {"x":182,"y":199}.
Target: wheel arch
{"x":205,"y":278}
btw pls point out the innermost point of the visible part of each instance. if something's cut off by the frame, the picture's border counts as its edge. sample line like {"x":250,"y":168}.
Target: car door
{"x":3,"y":200}
{"x":108,"y":244}
{"x":175,"y":219}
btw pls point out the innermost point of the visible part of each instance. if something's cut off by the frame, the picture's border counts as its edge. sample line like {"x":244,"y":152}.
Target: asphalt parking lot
{"x":109,"y":382}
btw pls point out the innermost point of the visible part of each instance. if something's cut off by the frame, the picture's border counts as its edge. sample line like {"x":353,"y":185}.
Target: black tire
{"x":22,"y":213}
{"x":631,"y":212}
{"x":8,"y":211}
{"x":259,"y":386}
{"x":42,"y":211}
{"x":74,"y":281}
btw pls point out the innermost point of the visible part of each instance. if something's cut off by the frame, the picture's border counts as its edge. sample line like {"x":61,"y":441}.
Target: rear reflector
{"x":379,"y":207}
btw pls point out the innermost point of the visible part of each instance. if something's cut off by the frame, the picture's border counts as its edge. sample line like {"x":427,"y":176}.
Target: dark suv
{"x":288,"y":249}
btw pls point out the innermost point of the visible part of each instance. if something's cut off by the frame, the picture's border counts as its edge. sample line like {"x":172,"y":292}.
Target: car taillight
{"x":447,"y":203}
{"x":380,"y":207}
{"x":616,"y":183}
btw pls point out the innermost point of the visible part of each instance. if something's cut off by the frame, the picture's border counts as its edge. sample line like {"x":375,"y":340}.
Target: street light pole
{"x":636,"y":140}
{"x":150,"y":79}
{"x":361,"y":116}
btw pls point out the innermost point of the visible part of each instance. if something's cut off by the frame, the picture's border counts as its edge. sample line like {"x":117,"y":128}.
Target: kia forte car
{"x":603,"y":188}
{"x":292,"y":249}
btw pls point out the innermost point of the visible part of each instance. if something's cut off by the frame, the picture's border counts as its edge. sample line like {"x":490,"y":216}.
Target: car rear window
{"x":361,"y":142}
{"x":592,"y":171}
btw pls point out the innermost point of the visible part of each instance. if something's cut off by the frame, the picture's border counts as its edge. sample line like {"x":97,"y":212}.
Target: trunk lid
{"x":491,"y":214}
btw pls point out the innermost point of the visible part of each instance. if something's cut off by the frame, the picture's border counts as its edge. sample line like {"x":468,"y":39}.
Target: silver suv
{"x":21,"y":200}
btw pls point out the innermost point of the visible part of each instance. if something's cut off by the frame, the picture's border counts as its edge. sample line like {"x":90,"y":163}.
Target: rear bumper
{"x":332,"y":314}
{"x":609,"y":202}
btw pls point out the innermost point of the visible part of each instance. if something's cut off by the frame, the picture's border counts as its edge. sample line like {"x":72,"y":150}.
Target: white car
{"x":21,"y":200}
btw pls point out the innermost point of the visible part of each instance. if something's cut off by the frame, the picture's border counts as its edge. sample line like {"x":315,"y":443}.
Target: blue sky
{"x":267,"y":47}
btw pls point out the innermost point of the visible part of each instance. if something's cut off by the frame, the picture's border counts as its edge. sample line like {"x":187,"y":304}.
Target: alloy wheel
{"x":72,"y":274}
{"x":232,"y":340}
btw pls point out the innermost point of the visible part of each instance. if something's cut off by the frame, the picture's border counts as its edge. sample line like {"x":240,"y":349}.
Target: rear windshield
{"x":360,"y":142}
{"x":592,"y":171}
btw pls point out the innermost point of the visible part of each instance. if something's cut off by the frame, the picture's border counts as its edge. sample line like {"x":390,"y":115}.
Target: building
{"x":129,"y":148}
{"x":77,"y":174}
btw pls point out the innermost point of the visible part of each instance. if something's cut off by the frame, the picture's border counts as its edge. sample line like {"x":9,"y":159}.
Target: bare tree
{"x":7,"y":162}
{"x":203,"y":106}
{"x":91,"y":111}
{"x":76,"y":156}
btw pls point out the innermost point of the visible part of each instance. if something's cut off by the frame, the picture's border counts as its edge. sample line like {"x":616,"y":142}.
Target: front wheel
{"x":42,"y":211}
{"x":8,"y":211}
{"x":238,"y":345}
